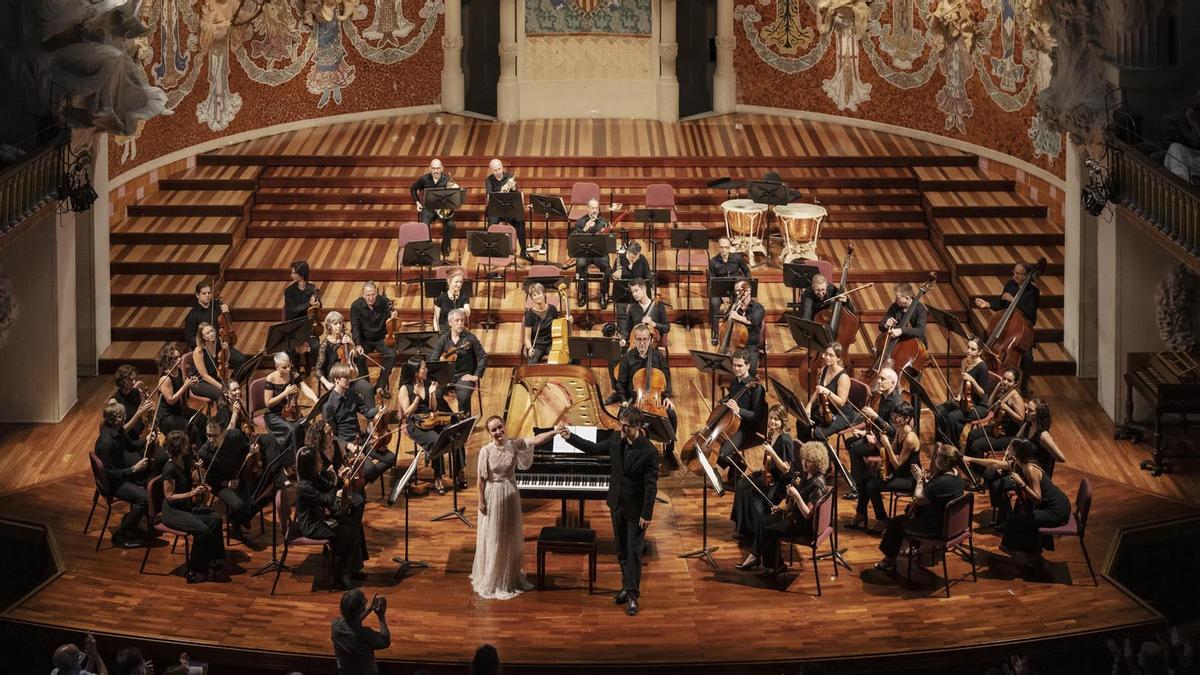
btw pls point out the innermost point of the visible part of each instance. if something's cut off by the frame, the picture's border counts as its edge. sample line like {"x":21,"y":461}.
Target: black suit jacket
{"x":633,"y":482}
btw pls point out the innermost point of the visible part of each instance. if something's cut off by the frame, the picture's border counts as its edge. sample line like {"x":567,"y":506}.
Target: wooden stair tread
{"x":182,"y":198}
{"x":167,"y":254}
{"x":178,"y":224}
{"x":1049,"y":318}
{"x":1005,"y":254}
{"x":952,"y":198}
{"x":997,"y":225}
{"x":142,"y":284}
{"x":218,"y":173}
{"x":991,"y":286}
{"x":149,"y":317}
{"x":546,"y":169}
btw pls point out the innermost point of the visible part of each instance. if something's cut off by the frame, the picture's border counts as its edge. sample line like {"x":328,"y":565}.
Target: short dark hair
{"x":128,"y":661}
{"x":743,"y":354}
{"x":634,"y":248}
{"x":903,"y":409}
{"x":301,"y":267}
{"x":201,"y":285}
{"x":486,"y":661}
{"x":354,"y":601}
{"x":632,"y":417}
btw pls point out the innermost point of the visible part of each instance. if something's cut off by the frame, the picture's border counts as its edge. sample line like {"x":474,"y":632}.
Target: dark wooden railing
{"x":30,"y":183}
{"x":1170,"y":205}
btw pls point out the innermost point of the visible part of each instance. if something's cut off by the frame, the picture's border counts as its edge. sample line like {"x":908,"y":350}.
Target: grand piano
{"x":1170,"y":381}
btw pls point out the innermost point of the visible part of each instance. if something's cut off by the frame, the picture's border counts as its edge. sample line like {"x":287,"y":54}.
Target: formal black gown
{"x":203,"y":523}
{"x":749,"y":507}
{"x":1052,"y":510}
{"x":344,"y":529}
{"x":775,"y":526}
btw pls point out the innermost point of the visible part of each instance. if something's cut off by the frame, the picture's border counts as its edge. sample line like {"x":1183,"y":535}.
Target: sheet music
{"x":562,"y":446}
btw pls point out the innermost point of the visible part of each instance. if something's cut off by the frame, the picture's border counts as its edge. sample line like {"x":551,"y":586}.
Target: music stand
{"x":489,"y":245}
{"x":949,"y":323}
{"x":649,"y":217}
{"x":505,"y":205}
{"x":688,"y":239}
{"x":274,"y":563}
{"x":422,"y":255}
{"x":441,"y":372}
{"x":658,"y":427}
{"x":588,"y":245}
{"x":547,"y":206}
{"x":585,"y":350}
{"x":452,"y":439}
{"x":714,"y":480}
{"x":722,"y":287}
{"x":402,"y":486}
{"x":415,"y":343}
{"x":287,"y":336}
{"x":441,"y":198}
{"x":812,"y":336}
{"x":712,"y":363}
{"x":798,"y":277}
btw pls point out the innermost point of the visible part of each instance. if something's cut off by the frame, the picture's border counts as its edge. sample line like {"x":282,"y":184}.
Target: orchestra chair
{"x":256,"y":404}
{"x":661,"y":196}
{"x":860,"y":393}
{"x":103,"y":489}
{"x":489,"y":265}
{"x":580,"y":194}
{"x":154,"y":493}
{"x":691,"y":263}
{"x":956,"y":530}
{"x":195,"y":402}
{"x":894,"y":495}
{"x":283,"y":516}
{"x":568,"y":540}
{"x":822,"y":527}
{"x":1077,"y":523}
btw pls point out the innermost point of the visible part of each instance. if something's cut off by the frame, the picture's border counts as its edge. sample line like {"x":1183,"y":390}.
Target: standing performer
{"x":470,"y":359}
{"x":646,"y":311}
{"x":724,"y":264}
{"x":1027,"y":305}
{"x":206,"y":311}
{"x":454,"y":297}
{"x":498,"y":180}
{"x":317,"y":497}
{"x":645,"y":355}
{"x":299,"y":297}
{"x":181,"y":512}
{"x":749,"y":507}
{"x":897,"y":455}
{"x":592,"y":223}
{"x":368,"y":326}
{"x":539,"y":320}
{"x":341,"y":412}
{"x":436,"y":178}
{"x":499,"y":540}
{"x":632,"y":486}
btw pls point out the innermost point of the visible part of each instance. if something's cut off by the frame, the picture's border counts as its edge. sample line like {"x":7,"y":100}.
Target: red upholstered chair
{"x":256,"y":395}
{"x":580,"y":194}
{"x":956,"y":531}
{"x":1077,"y":523}
{"x":103,"y":489}
{"x":822,"y":527}
{"x":154,"y":492}
{"x":188,"y":368}
{"x":661,"y":196}
{"x":293,"y":538}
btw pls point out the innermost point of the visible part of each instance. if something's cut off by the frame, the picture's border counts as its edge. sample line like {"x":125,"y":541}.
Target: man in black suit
{"x":631,"y":489}
{"x":436,"y":178}
{"x":1027,"y":305}
{"x":724,"y":264}
{"x":499,"y":180}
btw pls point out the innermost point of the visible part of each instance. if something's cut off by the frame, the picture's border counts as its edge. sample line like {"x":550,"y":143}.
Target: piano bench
{"x":566,"y":540}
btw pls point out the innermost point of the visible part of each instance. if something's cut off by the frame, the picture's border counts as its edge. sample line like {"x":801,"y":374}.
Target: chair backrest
{"x":822,"y":518}
{"x":100,"y":475}
{"x":1083,"y":504}
{"x":510,"y":231}
{"x":188,"y":365}
{"x":859,"y":393}
{"x":582,"y":192}
{"x":412,"y":232}
{"x":957,"y":518}
{"x":257,"y":395}
{"x":154,"y":497}
{"x":660,"y":196}
{"x":993,"y":381}
{"x":283,"y":512}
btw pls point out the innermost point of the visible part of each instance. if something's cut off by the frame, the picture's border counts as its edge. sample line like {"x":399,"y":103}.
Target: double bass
{"x":909,"y":352}
{"x":842,"y":321}
{"x":1009,"y":334}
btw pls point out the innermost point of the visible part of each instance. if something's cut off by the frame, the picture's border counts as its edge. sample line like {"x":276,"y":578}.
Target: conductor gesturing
{"x":631,"y":489}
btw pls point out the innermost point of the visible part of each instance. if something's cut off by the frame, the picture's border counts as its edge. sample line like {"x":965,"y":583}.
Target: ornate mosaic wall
{"x":618,"y":17}
{"x":273,"y":64}
{"x":967,"y":69}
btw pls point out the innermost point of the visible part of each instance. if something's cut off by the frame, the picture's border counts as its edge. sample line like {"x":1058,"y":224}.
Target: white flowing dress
{"x":499,"y":539}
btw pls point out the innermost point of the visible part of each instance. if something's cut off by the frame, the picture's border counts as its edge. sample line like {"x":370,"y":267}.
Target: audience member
{"x":70,"y":660}
{"x":486,"y":661}
{"x":354,"y":644}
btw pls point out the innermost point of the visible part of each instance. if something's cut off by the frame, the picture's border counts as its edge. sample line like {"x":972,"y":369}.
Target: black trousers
{"x":714,"y":306}
{"x":204,"y":524}
{"x":518,"y":225}
{"x":428,"y":216}
{"x":387,"y":361}
{"x":347,"y":539}
{"x":951,"y":420}
{"x":980,"y":443}
{"x":631,"y":540}
{"x":136,"y":496}
{"x":384,"y":460}
{"x":871,"y":488}
{"x":241,"y":505}
{"x":859,"y":450}
{"x":895,"y":534}
{"x":581,"y":267}
{"x":771,"y":529}
{"x":287,"y":434}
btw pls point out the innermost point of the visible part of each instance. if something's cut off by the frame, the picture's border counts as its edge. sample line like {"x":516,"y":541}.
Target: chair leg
{"x":816,"y":574}
{"x":174,"y":543}
{"x":104,"y":527}
{"x":95,"y":498}
{"x":1088,"y":559}
{"x":908,"y":577}
{"x":946,"y":572}
{"x":145,"y":558}
{"x":187,"y":548}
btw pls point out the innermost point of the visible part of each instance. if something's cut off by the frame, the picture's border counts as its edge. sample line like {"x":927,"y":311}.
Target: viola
{"x":313,"y":312}
{"x":392,"y":327}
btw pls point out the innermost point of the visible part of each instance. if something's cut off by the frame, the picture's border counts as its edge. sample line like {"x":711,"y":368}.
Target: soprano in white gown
{"x":499,"y":539}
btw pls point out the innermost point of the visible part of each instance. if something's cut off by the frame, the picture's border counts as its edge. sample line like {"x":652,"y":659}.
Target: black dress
{"x":774,"y":526}
{"x":204,"y":524}
{"x":286,"y":433}
{"x":445,"y":303}
{"x":345,"y":530}
{"x":424,"y":437}
{"x":327,"y":358}
{"x":173,"y":416}
{"x":872,"y":485}
{"x":749,"y":507}
{"x":540,"y":327}
{"x":1052,"y":510}
{"x":843,"y":417}
{"x":951,"y":418}
{"x":205,"y":388}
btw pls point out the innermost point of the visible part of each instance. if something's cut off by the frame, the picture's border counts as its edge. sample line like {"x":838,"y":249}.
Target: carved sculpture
{"x":1074,"y":100}
{"x":860,"y":9}
{"x":951,"y":21}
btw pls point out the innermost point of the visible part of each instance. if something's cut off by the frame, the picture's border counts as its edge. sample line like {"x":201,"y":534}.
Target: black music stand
{"x":403,"y":486}
{"x":505,"y":205}
{"x":273,"y":564}
{"x":422,"y":255}
{"x":813,"y":337}
{"x":441,"y":372}
{"x":949,"y":323}
{"x":650,"y":217}
{"x":441,"y":198}
{"x":586,"y":245}
{"x":489,"y":245}
{"x":547,"y":206}
{"x":453,"y":438}
{"x":798,"y":277}
{"x":586,"y":350}
{"x":722,"y":287}
{"x":712,"y":363}
{"x":415,"y":343}
{"x":287,"y":336}
{"x":713,"y":479}
{"x":658,"y":427}
{"x":688,"y":239}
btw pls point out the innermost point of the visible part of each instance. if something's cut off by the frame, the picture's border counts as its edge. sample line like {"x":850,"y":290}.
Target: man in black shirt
{"x":205,"y":312}
{"x":857,"y":446}
{"x":915,"y":328}
{"x":368,"y":326}
{"x":1027,"y":306}
{"x":498,"y":180}
{"x":126,"y":468}
{"x":592,"y":223}
{"x":931,"y":496}
{"x":354,"y":644}
{"x":224,"y":453}
{"x":644,"y":355}
{"x":297,"y":298}
{"x":633,"y":264}
{"x":724,"y":264}
{"x":748,"y":402}
{"x":436,"y":178}
{"x":817,"y":296}
{"x":750,"y":313}
{"x":644,"y":310}
{"x":341,"y":412}
{"x":470,"y":359}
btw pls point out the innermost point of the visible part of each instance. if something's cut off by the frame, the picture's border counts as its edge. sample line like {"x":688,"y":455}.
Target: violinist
{"x":930,"y":497}
{"x":498,"y":180}
{"x":916,"y":323}
{"x":830,"y":408}
{"x":632,"y":265}
{"x":126,"y":467}
{"x":592,"y":223}
{"x":539,"y":320}
{"x":318,"y":497}
{"x":283,"y":389}
{"x":454,"y":297}
{"x":130,"y":394}
{"x":209,"y":363}
{"x":1027,"y":306}
{"x":338,"y":347}
{"x":646,"y":356}
{"x":1036,"y":430}
{"x":172,"y":391}
{"x":182,"y":510}
{"x":970,"y":401}
{"x":749,"y":407}
{"x":208,"y":310}
{"x":749,"y":507}
{"x":897,"y":455}
{"x":224,"y":454}
{"x":298,"y":297}
{"x":792,"y":517}
{"x":417,"y":395}
{"x":369,"y":315}
{"x":341,"y":412}
{"x":816,"y":297}
{"x":436,"y":178}
{"x":748,"y":312}
{"x":880,"y":420}
{"x":470,"y":359}
{"x":723,"y":265}
{"x":1007,"y":410}
{"x":644,"y":310}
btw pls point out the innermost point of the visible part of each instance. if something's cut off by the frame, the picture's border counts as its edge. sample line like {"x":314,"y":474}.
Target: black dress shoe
{"x":526,"y":257}
{"x":612,"y":399}
{"x":383,"y":391}
{"x":713,"y":340}
{"x":604,"y":302}
{"x":358,"y":574}
{"x":850,"y":495}
{"x":621,"y":598}
{"x":749,"y":566}
{"x":632,"y":608}
{"x":343,"y":582}
{"x":127,"y":541}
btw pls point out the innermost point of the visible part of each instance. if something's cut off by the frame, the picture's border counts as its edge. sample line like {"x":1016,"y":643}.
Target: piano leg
{"x":1128,"y":430}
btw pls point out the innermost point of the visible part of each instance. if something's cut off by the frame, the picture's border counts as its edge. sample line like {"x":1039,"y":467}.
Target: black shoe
{"x":749,"y":565}
{"x":632,"y":608}
{"x":358,"y":574}
{"x":621,"y":598}
{"x":526,"y":257}
{"x":122,"y":540}
{"x":604,"y":302}
{"x":713,"y":340}
{"x":850,"y":495}
{"x":612,"y":399}
{"x":343,"y":582}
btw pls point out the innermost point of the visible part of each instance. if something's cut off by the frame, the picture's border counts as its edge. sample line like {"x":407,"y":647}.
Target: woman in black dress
{"x":1008,"y":410}
{"x":454,"y":297}
{"x":1040,"y":503}
{"x":792,"y":518}
{"x":338,"y":344}
{"x":318,"y":497}
{"x":205,"y":357}
{"x":900,"y":452}
{"x":950,"y":416}
{"x":930,"y":497}
{"x":538,"y":319}
{"x":416,"y":396}
{"x":280,"y":385}
{"x":1036,"y":430}
{"x":833,"y":387}
{"x":183,"y":511}
{"x":173,"y":413}
{"x":748,"y":504}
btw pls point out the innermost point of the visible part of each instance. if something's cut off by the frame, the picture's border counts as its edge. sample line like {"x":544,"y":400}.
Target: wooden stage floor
{"x":690,"y":613}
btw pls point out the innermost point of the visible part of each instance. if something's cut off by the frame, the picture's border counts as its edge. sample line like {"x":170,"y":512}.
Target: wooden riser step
{"x":947,"y":178}
{"x":141,"y":290}
{"x":563,"y":185}
{"x":996,"y":231}
{"x":176,"y":230}
{"x":417,"y":165}
{"x":476,"y":198}
{"x":961,"y":203}
{"x":193,"y":203}
{"x":213,"y":178}
{"x":168,"y":259}
{"x":989,"y":287}
{"x":998,"y":260}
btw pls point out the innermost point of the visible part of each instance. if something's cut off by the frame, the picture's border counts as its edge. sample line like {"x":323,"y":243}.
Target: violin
{"x":733,"y":334}
{"x":222,"y":363}
{"x":965,"y":390}
{"x":721,"y":424}
{"x":313,"y":312}
{"x":291,"y":406}
{"x":433,"y":420}
{"x":225,"y":331}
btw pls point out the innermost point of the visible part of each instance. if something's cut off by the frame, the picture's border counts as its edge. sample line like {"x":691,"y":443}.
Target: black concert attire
{"x":191,"y":326}
{"x":132,"y":401}
{"x":1028,"y":306}
{"x":445,"y":303}
{"x":999,"y":482}
{"x":859,"y":449}
{"x":916,"y":323}
{"x":811,"y":305}
{"x":630,"y":363}
{"x":752,"y":409}
{"x":636,"y":312}
{"x":926,"y":520}
{"x":355,"y":647}
{"x":295,"y":306}
{"x":120,"y":451}
{"x":424,"y":437}
{"x":341,"y":413}
{"x":842,"y":418}
{"x":316,"y":497}
{"x":1052,"y":510}
{"x":368,"y":328}
{"x":733,"y":266}
{"x":289,"y":435}
{"x":640,"y":269}
{"x":981,"y":442}
{"x":203,"y":387}
{"x":749,"y":508}
{"x":871,"y":486}
{"x":428,"y":215}
{"x":469,"y":359}
{"x":601,"y":263}
{"x":224,"y":463}
{"x":755,"y":313}
{"x":775,"y":526}
{"x":327,"y":358}
{"x":951,"y":418}
{"x":631,"y":489}
{"x":492,"y":185}
{"x":203,"y":523}
{"x":539,"y":327}
{"x":173,"y":416}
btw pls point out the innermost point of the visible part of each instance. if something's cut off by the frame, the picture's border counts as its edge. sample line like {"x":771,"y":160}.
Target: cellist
{"x":1027,"y":305}
{"x":644,"y":355}
{"x":749,"y":407}
{"x":644,"y":310}
{"x":816,"y":297}
{"x":748,"y":312}
{"x":916,"y":323}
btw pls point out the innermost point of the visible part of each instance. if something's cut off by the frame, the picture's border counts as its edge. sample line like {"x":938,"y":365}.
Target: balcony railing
{"x":1146,"y":188}
{"x":27,"y":185}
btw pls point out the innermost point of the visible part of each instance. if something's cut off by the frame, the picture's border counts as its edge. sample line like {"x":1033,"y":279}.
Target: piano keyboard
{"x":557,"y":482}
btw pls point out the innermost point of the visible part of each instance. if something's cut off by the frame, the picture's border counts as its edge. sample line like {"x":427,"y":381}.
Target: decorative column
{"x":508,"y":100}
{"x":724,"y":79}
{"x":453,"y":85}
{"x":668,"y":50}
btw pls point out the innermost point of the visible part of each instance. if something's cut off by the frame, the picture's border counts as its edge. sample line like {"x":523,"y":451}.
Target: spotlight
{"x":1098,"y":192}
{"x":83,"y":196}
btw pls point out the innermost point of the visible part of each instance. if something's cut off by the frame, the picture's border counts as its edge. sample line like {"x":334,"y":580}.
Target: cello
{"x":898,"y":350}
{"x":733,"y":335}
{"x":1009,"y":334}
{"x":721,"y":424}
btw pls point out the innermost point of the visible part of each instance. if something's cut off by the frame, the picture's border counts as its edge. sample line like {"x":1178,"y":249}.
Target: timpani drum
{"x":744,"y":223}
{"x":800,"y":225}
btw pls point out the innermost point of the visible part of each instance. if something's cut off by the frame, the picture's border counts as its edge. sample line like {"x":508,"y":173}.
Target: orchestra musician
{"x":930,"y":497}
{"x":369,"y":315}
{"x":645,"y":355}
{"x":816,"y":297}
{"x":857,"y":446}
{"x":646,"y":311}
{"x":181,"y":511}
{"x":749,"y":312}
{"x":632,"y":265}
{"x":916,"y":323}
{"x":592,"y":223}
{"x":283,"y":388}
{"x":336,"y":342}
{"x":320,"y":499}
{"x":724,"y":264}
{"x":1036,"y":430}
{"x":970,"y":401}
{"x":792,"y":516}
{"x":417,"y":401}
{"x":206,"y":358}
{"x":829,"y":408}
{"x":498,"y":180}
{"x":454,"y":297}
{"x":749,"y":507}
{"x":126,"y":467}
{"x":539,"y":320}
{"x":224,"y":453}
{"x":470,"y":359}
{"x":1028,"y":306}
{"x":897,"y":455}
{"x":172,"y":390}
{"x":1008,"y":411}
{"x":436,"y":178}
{"x":298,"y":297}
{"x":341,"y":412}
{"x":205,"y":310}
{"x":749,"y":407}
{"x":130,"y":394}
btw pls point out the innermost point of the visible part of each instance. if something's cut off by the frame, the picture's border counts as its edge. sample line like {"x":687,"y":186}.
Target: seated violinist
{"x":1007,"y":411}
{"x":341,"y":412}
{"x":338,"y":347}
{"x":282,"y":391}
{"x":792,"y":516}
{"x":127,"y":467}
{"x":209,"y":310}
{"x":470,"y":359}
{"x":970,"y":401}
{"x":930,"y":497}
{"x":644,"y":310}
{"x":894,"y":472}
{"x":645,"y":356}
{"x":417,"y":403}
{"x":184,"y":509}
{"x":753,"y":499}
{"x":326,"y":509}
{"x":829,"y":408}
{"x":747,"y":400}
{"x":879,"y":420}
{"x":233,"y":476}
